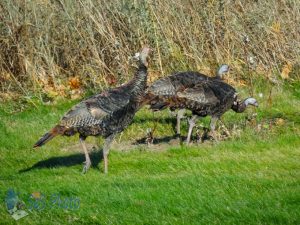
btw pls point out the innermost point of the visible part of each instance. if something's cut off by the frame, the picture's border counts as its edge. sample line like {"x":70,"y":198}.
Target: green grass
{"x":251,"y":178}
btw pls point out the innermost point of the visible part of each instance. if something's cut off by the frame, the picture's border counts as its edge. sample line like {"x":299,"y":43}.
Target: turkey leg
{"x":87,"y":157}
{"x":106,"y":148}
{"x":180,"y":115}
{"x":192,"y":123}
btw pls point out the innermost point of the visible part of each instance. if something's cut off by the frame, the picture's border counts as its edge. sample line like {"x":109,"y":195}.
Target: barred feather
{"x":106,"y":113}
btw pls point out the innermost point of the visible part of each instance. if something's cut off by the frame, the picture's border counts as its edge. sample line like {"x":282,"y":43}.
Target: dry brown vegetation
{"x":61,"y":47}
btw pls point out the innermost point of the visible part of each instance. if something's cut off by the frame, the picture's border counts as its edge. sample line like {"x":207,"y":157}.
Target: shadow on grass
{"x":167,"y":120}
{"x":66,"y":161}
{"x":161,"y":140}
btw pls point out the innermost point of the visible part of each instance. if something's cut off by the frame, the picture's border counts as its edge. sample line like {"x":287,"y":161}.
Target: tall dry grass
{"x":57,"y":46}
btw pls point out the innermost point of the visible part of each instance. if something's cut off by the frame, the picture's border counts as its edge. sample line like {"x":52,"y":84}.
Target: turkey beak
{"x":256,"y":104}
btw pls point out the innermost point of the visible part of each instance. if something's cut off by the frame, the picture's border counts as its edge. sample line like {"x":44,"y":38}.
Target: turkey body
{"x":159,"y":93}
{"x":105,"y":114}
{"x":166,"y":92}
{"x":199,"y":93}
{"x":210,"y":97}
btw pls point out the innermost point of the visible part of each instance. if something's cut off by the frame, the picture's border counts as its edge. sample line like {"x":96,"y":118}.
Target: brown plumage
{"x":105,"y":114}
{"x":159,"y":93}
{"x":210,"y":98}
{"x":201,"y":94}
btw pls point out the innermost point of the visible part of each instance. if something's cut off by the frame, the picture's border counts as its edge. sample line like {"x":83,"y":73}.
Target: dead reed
{"x":61,"y":47}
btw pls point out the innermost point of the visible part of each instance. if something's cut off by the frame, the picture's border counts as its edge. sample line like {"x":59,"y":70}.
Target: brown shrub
{"x":45,"y":42}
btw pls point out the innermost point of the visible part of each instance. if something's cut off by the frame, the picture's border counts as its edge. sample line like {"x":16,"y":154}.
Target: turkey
{"x":199,"y":93}
{"x":159,"y":92}
{"x":214,"y":98}
{"x":105,"y":114}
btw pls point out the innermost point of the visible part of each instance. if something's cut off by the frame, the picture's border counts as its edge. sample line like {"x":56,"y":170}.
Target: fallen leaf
{"x":74,"y":83}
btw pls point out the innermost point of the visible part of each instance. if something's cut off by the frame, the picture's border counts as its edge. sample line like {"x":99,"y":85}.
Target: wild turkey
{"x":105,"y":114}
{"x":201,"y":94}
{"x":158,"y":94}
{"x":214,"y":98}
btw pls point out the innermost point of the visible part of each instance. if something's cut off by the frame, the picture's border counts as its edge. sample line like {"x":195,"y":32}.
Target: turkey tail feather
{"x":48,"y":136}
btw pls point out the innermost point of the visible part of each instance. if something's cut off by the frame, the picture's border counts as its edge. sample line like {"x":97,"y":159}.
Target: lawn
{"x":253,"y":177}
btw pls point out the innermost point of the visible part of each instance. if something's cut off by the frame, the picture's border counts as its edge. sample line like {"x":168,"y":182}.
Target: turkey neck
{"x":139,"y":82}
{"x":239,"y":107}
